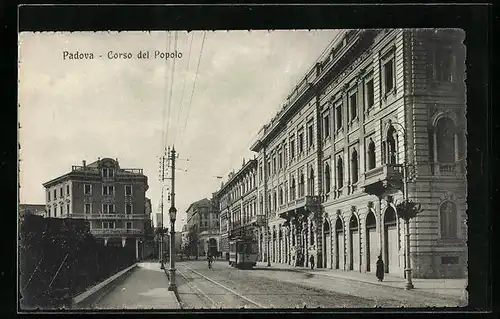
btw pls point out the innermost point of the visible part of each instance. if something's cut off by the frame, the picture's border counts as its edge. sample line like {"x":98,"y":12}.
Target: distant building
{"x":110,"y":197}
{"x":237,"y":204}
{"x":203,"y":220}
{"x":31,"y":209}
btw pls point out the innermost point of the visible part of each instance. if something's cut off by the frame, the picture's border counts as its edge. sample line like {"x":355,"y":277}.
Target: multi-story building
{"x":238,"y":211}
{"x":330,"y":162}
{"x":203,"y":221}
{"x":111,"y":198}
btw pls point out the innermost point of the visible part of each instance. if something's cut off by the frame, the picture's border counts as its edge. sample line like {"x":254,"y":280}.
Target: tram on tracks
{"x":243,"y":253}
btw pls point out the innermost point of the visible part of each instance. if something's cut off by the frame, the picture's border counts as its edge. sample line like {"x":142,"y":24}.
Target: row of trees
{"x":59,"y":258}
{"x":190,"y":248}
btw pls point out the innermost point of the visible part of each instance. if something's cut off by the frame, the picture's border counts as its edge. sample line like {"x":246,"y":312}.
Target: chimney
{"x":84,"y":163}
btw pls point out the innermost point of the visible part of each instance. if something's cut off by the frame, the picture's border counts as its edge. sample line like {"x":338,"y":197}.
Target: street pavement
{"x":224,"y":287}
{"x":145,"y":288}
{"x":271,"y":287}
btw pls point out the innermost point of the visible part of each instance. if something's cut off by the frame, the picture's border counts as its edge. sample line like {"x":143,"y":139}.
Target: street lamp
{"x":409,"y":283}
{"x":171,"y":285}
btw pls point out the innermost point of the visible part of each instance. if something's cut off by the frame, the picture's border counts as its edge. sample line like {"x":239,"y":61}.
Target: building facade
{"x":110,"y":197}
{"x":238,"y":205}
{"x":329,"y":164}
{"x":203,"y":227}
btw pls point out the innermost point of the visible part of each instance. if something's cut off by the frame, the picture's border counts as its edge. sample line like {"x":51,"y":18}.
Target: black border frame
{"x":476,"y":20}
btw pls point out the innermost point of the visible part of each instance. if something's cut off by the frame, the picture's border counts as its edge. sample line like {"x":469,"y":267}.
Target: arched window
{"x":354,"y":166}
{"x":371,"y":154}
{"x":327,"y":178}
{"x":340,"y":173}
{"x":391,"y":145}
{"x":311,"y":183}
{"x":445,"y":136}
{"x":448,"y":219}
{"x":292,"y":189}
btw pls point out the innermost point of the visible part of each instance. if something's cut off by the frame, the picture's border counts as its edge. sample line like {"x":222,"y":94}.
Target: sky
{"x":209,"y":101}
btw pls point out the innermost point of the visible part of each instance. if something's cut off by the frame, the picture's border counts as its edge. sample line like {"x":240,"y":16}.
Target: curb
{"x":175,"y":293}
{"x":421,"y":290}
{"x":86,"y":298}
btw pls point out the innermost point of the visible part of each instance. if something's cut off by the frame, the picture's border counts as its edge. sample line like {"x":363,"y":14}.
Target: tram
{"x":242,"y":253}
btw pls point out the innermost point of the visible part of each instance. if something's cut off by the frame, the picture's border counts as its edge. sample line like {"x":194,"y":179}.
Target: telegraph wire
{"x":164,"y":108}
{"x":182,"y":90}
{"x":171,"y":90}
{"x":194,"y":86}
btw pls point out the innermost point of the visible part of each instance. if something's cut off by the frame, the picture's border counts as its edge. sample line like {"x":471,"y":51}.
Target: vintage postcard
{"x":242,"y":169}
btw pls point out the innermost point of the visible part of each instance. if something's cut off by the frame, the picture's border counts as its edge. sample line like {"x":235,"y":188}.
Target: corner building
{"x":111,"y":198}
{"x":330,"y":162}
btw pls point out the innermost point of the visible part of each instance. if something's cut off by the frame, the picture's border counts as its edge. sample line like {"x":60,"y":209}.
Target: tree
{"x":192,"y":240}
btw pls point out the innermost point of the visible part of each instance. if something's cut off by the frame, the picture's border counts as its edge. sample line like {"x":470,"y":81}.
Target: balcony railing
{"x":300,"y":203}
{"x":258,"y":219}
{"x":132,"y":170}
{"x":110,"y":216}
{"x":446,"y":169}
{"x":382,"y":177}
{"x":115,"y":231}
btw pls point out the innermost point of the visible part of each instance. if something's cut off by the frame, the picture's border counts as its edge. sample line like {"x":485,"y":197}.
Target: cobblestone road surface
{"x":272,"y":288}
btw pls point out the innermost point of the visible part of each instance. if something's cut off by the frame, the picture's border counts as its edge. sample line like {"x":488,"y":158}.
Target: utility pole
{"x":172,"y":212}
{"x":162,"y":179}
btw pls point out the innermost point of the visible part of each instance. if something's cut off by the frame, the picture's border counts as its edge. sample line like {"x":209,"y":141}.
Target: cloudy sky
{"x":75,"y":109}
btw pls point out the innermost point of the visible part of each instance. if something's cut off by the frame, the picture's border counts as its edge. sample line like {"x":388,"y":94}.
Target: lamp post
{"x":408,"y":271}
{"x":171,"y":285}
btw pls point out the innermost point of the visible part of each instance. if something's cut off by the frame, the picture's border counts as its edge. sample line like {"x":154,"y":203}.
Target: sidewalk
{"x":447,"y":287}
{"x":145,"y":288}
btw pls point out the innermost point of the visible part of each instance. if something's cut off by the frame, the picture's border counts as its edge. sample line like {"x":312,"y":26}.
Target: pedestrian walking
{"x":311,"y":261}
{"x":380,"y":269}
{"x":209,"y":259}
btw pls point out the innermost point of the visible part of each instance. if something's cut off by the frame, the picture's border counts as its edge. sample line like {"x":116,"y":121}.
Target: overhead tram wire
{"x":164,"y":107}
{"x":177,"y":130}
{"x":194,"y":86}
{"x":171,"y":90}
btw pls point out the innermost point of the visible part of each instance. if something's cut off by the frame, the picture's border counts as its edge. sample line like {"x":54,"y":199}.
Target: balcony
{"x":259,"y":220}
{"x":115,"y":216}
{"x":305,"y":203}
{"x":383,"y":178}
{"x":115,"y":231}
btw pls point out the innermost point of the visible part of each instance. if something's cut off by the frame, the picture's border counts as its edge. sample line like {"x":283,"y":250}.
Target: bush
{"x":59,"y":259}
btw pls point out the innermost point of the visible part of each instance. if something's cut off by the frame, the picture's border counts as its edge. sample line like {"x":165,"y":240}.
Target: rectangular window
{"x":48,"y":196}
{"x":443,"y":64}
{"x":301,"y":142}
{"x":87,"y":189}
{"x":55,"y":211}
{"x":62,"y":209}
{"x":310,"y":135}
{"x":292,"y":149}
{"x":128,"y":190}
{"x":108,"y":208}
{"x":128,"y":208}
{"x":129,"y":225}
{"x":274,"y":165}
{"x":326,"y":126}
{"x":370,"y":95}
{"x":280,"y":161}
{"x":108,"y":190}
{"x":61,"y":193}
{"x":388,"y":75}
{"x":50,"y":212}
{"x":338,"y":117}
{"x":67,"y":209}
{"x":88,"y":208}
{"x":107,"y":172}
{"x":260,"y":174}
{"x":353,"y":106}
{"x":67,"y":190}
{"x":55,"y":193}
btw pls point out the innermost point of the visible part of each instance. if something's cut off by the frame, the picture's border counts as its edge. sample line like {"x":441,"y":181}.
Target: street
{"x":262,"y":287}
{"x":224,"y":287}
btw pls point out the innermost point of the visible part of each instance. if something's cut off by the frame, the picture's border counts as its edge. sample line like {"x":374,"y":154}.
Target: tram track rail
{"x":208,"y":298}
